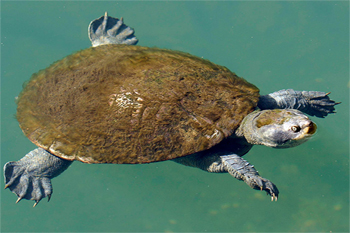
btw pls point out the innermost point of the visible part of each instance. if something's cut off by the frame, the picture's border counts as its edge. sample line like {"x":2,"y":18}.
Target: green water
{"x":275,"y":45}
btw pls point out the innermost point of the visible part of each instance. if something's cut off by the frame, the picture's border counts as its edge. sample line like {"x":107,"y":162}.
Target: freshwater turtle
{"x":120,"y":103}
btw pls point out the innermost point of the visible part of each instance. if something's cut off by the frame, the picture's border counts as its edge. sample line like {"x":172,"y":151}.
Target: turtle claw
{"x":320,"y":104}
{"x":35,"y":203}
{"x":18,"y":200}
{"x":273,"y":197}
{"x":262,"y":184}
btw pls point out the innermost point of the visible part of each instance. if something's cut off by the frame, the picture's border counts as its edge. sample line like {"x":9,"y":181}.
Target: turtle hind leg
{"x":30,"y":177}
{"x":26,"y":186}
{"x":109,"y":30}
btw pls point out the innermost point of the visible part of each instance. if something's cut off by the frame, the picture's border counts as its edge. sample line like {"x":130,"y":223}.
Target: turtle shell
{"x":132,"y":104}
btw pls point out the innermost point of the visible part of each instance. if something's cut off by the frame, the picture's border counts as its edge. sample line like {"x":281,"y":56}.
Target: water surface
{"x":275,"y":45}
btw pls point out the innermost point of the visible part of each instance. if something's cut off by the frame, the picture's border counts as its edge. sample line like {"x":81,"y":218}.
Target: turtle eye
{"x":296,"y":129}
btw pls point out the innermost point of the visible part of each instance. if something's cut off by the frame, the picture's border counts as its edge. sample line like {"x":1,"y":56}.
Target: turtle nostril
{"x":311,"y":128}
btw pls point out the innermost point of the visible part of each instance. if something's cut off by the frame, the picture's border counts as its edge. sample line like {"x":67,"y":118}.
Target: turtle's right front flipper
{"x":233,"y":164}
{"x":243,"y":170}
{"x":109,"y":30}
{"x":30,"y":177}
{"x":314,"y":103}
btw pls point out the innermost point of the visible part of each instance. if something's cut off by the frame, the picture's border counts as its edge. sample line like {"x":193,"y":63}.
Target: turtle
{"x":120,"y":103}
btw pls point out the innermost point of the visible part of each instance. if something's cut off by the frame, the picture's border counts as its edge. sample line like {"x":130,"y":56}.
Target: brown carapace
{"x":132,"y":104}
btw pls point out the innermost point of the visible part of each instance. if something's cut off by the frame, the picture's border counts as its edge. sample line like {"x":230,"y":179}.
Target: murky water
{"x":275,"y":45}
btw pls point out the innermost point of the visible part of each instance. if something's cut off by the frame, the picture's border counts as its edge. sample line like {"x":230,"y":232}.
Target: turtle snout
{"x":310,"y":128}
{"x":303,"y":129}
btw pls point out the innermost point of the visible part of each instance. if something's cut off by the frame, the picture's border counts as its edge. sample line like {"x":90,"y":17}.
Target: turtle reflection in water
{"x":120,"y":103}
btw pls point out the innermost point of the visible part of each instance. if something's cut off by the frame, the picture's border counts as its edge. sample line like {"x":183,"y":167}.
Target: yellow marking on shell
{"x":214,"y":135}
{"x":126,"y":100}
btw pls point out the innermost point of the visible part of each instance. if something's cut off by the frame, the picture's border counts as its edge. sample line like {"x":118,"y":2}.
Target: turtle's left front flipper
{"x":30,"y":177}
{"x":314,"y":103}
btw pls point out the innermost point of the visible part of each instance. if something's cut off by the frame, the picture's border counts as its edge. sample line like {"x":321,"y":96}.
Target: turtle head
{"x":278,"y":128}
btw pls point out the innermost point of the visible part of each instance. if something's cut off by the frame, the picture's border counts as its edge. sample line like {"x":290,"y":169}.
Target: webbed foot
{"x":30,"y":177}
{"x":243,"y":170}
{"x":320,"y":103}
{"x":235,"y":165}
{"x":109,"y":30}
{"x":260,"y":183}
{"x":25,"y":184}
{"x":314,"y":103}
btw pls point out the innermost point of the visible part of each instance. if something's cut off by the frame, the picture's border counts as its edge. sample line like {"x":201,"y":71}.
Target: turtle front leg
{"x":241,"y":169}
{"x":236,"y":166}
{"x":314,"y":103}
{"x":30,"y":177}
